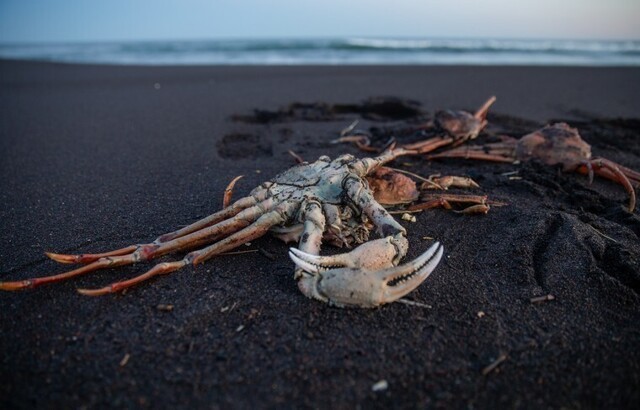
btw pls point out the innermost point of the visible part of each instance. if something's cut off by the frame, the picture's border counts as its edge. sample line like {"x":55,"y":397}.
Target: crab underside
{"x":324,"y":200}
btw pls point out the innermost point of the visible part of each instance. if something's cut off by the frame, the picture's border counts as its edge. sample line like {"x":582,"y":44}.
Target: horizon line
{"x":292,"y":38}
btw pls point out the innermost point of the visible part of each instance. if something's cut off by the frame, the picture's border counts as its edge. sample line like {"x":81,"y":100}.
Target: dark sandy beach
{"x":99,"y":157}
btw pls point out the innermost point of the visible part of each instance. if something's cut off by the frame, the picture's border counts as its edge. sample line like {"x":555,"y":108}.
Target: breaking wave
{"x":336,"y":51}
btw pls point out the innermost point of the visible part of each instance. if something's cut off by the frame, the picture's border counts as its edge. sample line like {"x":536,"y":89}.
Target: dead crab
{"x":324,"y":200}
{"x":556,"y":144}
{"x":449,"y":126}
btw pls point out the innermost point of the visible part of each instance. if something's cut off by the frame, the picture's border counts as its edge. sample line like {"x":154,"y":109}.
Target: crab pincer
{"x":348,"y":280}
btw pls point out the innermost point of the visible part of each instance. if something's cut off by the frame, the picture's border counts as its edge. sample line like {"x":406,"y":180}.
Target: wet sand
{"x":99,"y":157}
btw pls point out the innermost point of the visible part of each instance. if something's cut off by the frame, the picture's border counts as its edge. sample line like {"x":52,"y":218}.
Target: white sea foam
{"x":337,"y":51}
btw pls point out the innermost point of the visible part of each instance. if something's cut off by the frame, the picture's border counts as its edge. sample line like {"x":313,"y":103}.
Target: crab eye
{"x":324,"y":158}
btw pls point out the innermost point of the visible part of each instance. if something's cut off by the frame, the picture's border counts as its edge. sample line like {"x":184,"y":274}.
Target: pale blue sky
{"x":78,"y":20}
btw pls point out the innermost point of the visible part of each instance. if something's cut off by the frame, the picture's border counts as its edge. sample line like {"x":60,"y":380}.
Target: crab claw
{"x":372,"y":255}
{"x":341,"y":283}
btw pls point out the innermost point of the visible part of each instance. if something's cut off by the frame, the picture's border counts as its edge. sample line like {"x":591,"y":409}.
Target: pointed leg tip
{"x":61,"y":258}
{"x":93,"y":292}
{"x":17,"y":285}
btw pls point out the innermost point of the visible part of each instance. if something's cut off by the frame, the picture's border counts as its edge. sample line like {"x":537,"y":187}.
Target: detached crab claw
{"x":366,"y":276}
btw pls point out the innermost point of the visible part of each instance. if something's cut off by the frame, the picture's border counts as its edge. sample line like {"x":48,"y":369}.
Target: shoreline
{"x":533,"y":92}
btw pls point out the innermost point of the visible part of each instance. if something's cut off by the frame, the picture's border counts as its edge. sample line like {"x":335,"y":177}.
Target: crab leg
{"x":151,"y":251}
{"x":361,"y":141}
{"x":611,"y":170}
{"x":255,"y":230}
{"x":278,"y":215}
{"x":366,"y":166}
{"x":444,"y":201}
{"x":431,"y":144}
{"x":634,"y":177}
{"x":228,"y":192}
{"x":498,"y":152}
{"x":281,"y":213}
{"x":235,"y":208}
{"x":449,"y":181}
{"x":314,"y":224}
{"x":89,"y":257}
{"x":159,"y":269}
{"x":106,"y":262}
{"x":224,"y":214}
{"x":310,"y":242}
{"x":482,"y":112}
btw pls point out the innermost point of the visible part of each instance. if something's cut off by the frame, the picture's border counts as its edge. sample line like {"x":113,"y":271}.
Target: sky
{"x":44,"y":21}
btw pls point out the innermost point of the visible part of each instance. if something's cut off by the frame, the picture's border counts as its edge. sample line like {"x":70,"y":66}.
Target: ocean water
{"x":337,"y":51}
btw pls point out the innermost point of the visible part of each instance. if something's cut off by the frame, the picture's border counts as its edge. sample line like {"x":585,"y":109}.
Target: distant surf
{"x":386,"y":51}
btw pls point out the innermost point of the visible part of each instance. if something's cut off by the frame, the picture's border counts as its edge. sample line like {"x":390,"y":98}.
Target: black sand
{"x":96,"y":157}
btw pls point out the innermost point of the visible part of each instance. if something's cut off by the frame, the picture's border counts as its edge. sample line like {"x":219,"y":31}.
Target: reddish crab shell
{"x":554,"y":144}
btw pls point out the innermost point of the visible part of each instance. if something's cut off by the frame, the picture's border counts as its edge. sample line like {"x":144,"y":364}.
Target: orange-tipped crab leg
{"x":482,"y":112}
{"x":89,"y":257}
{"x":612,"y":171}
{"x":224,"y":214}
{"x":107,"y":262}
{"x":153,"y":250}
{"x":361,"y":141}
{"x":498,"y":152}
{"x":449,"y":181}
{"x":480,"y":205}
{"x":423,"y":147}
{"x":366,"y":166}
{"x":633,"y":176}
{"x":257,"y":229}
{"x":228,"y":192}
{"x":633,"y":179}
{"x":159,"y":269}
{"x":257,"y":196}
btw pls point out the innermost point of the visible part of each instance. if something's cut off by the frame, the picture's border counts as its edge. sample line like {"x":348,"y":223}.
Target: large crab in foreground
{"x":324,"y":200}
